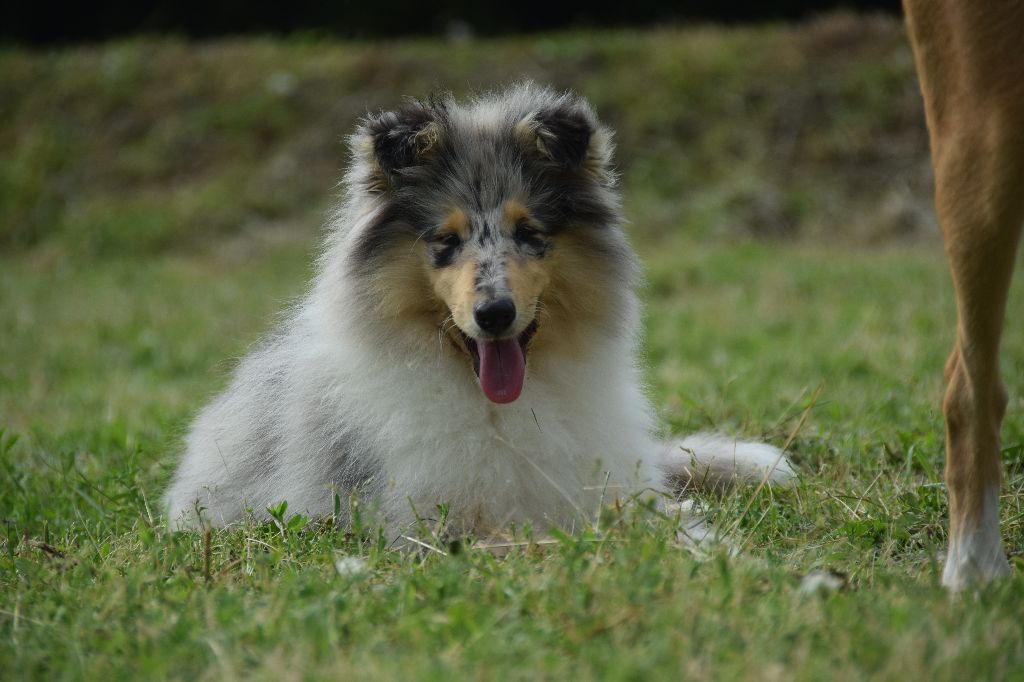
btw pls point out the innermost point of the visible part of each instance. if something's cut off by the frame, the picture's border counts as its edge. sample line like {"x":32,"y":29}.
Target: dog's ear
{"x":568,"y":135}
{"x":393,"y":141}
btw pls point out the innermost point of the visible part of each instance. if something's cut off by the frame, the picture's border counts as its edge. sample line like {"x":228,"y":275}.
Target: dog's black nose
{"x":496,"y":316}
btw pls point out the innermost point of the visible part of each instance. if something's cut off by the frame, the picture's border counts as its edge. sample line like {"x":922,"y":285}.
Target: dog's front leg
{"x":971,"y":70}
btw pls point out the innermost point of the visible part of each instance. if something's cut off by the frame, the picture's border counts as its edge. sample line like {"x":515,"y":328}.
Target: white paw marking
{"x":976,"y":553}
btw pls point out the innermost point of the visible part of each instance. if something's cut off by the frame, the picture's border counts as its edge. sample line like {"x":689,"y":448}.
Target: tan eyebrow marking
{"x":456,"y":222}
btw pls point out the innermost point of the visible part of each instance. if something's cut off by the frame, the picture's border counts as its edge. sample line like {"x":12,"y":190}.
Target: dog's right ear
{"x":568,"y":135}
{"x":393,"y":141}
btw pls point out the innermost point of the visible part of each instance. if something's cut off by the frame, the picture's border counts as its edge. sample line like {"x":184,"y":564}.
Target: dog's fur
{"x":369,"y":386}
{"x":971,"y":68}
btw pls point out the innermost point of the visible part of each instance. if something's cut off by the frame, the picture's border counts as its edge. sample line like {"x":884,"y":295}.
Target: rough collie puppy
{"x":469,"y":340}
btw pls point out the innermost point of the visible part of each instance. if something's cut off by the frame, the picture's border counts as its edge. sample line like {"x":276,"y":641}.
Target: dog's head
{"x":497,"y":223}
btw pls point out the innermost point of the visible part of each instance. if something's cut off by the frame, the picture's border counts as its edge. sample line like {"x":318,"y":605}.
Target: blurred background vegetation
{"x":59,"y":23}
{"x":775,"y":131}
{"x":147,"y":172}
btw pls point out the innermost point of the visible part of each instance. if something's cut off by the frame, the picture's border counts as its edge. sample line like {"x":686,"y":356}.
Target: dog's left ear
{"x":393,"y":141}
{"x":568,"y":134}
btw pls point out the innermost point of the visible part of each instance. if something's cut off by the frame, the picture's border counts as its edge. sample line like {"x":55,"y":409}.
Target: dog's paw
{"x":975,"y":557}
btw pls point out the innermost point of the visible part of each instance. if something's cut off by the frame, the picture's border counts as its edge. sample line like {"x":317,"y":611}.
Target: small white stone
{"x":349,"y":566}
{"x":820,"y":581}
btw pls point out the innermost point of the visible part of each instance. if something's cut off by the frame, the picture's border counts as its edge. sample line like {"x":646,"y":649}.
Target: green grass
{"x":159,"y":207}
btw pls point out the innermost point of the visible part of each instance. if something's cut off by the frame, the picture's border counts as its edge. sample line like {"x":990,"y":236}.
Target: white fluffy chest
{"x":575,"y":436}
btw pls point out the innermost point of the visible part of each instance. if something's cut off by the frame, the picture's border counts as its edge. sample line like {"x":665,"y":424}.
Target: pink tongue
{"x":502,"y":369}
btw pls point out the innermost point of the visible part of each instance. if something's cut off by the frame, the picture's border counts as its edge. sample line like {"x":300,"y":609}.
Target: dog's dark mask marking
{"x":443,"y":249}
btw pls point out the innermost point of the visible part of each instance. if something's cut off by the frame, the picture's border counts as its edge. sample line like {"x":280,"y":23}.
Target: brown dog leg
{"x":971,"y":68}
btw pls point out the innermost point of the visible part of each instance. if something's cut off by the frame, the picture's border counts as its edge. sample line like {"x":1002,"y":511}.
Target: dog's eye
{"x":527,"y":235}
{"x":443,"y":248}
{"x":447,"y":241}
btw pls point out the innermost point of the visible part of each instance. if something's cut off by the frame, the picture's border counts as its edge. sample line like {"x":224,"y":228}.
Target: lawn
{"x":160,"y":203}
